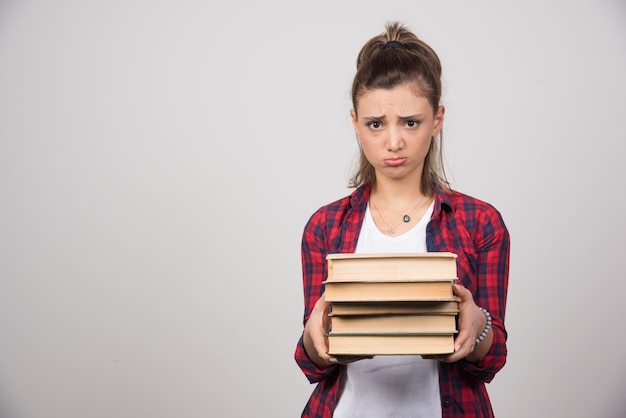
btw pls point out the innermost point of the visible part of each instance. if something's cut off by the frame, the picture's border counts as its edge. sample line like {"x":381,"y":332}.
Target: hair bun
{"x":394,"y":44}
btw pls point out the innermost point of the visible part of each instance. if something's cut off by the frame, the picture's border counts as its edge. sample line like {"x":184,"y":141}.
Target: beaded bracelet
{"x":487,"y":327}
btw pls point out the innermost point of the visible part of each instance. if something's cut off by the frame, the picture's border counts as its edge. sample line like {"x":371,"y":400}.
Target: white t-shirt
{"x":390,"y":386}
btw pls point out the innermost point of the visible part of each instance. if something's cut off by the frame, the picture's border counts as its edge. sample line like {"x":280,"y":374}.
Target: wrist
{"x":487,"y":328}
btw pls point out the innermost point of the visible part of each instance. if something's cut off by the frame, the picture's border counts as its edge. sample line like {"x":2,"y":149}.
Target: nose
{"x":395,"y":141}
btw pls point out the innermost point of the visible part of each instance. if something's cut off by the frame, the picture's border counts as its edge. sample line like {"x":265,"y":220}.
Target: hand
{"x":471,"y":323}
{"x":315,"y":340}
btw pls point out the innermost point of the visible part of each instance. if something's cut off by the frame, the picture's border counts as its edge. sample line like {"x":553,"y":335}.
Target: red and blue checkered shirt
{"x":472,"y":229}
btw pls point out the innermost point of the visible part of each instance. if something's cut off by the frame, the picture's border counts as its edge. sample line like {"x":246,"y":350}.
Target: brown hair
{"x":394,"y":58}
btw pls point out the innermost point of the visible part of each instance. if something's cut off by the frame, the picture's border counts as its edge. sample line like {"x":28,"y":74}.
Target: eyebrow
{"x":416,"y":116}
{"x":404,"y":118}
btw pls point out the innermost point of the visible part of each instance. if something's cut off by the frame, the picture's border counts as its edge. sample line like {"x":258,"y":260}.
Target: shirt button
{"x":446,"y":403}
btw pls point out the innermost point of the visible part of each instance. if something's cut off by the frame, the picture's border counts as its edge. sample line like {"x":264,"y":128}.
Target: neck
{"x":397,"y":193}
{"x":396,"y":207}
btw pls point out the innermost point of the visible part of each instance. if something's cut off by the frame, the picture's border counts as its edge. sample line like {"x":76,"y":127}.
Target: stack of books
{"x":392,"y":304}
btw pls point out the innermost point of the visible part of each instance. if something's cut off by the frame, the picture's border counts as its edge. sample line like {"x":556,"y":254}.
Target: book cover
{"x":401,"y":307}
{"x":391,"y":267}
{"x":389,"y":291}
{"x":388,"y":344}
{"x":394,"y":324}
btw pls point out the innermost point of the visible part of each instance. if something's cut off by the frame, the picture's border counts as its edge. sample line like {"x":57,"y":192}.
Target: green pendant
{"x":406,"y":218}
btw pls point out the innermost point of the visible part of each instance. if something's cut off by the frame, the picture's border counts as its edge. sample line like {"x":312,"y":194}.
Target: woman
{"x":403,"y":203}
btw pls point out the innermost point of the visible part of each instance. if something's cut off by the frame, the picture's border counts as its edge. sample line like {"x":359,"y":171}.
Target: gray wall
{"x":158,"y":161}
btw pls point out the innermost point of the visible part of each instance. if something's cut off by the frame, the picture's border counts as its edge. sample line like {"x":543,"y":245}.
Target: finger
{"x":464,"y":346}
{"x":326,"y":320}
{"x":461,"y":291}
{"x":320,"y":342}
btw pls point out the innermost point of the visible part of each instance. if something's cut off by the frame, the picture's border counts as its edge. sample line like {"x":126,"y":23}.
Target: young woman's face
{"x":395,"y":128}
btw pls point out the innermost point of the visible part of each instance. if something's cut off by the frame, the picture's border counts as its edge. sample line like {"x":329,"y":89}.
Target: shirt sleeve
{"x":313,"y":253}
{"x":492,"y":245}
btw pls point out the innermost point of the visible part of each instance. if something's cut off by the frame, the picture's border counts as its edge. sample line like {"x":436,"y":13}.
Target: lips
{"x":395,"y":162}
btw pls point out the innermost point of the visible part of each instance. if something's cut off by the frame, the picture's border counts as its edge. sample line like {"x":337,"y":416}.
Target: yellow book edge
{"x":339,"y":256}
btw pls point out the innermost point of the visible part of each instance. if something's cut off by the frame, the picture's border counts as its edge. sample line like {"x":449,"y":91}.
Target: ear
{"x":438,"y":121}
{"x":355,"y":123}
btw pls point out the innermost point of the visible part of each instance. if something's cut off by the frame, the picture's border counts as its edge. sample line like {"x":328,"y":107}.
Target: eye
{"x":374,"y":124}
{"x":412,"y":123}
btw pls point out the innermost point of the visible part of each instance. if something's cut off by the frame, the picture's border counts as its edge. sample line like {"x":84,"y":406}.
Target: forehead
{"x":405,"y":98}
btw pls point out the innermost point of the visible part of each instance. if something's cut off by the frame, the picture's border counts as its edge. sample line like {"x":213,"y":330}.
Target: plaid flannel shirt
{"x":472,"y":229}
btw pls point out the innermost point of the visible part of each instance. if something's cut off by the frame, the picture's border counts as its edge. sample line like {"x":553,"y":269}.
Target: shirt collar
{"x":442,"y":201}
{"x":360,"y":196}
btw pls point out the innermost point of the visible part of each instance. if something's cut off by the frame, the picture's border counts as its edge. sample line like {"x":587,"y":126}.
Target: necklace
{"x":405,"y":219}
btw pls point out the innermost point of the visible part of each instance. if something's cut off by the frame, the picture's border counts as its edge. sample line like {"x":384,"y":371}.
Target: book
{"x":391,"y":267}
{"x":440,"y":290}
{"x":390,"y":344}
{"x":402,"y":307}
{"x":392,"y":304}
{"x":393,"y":324}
